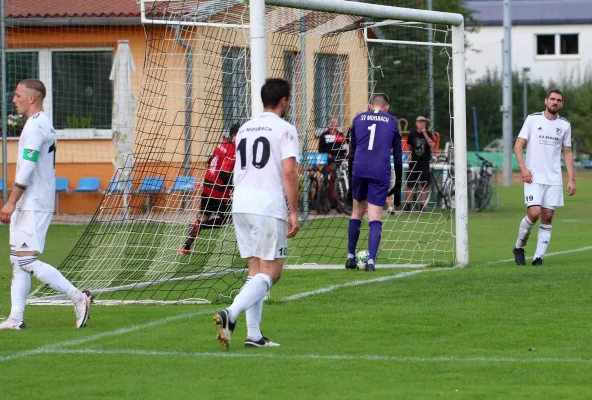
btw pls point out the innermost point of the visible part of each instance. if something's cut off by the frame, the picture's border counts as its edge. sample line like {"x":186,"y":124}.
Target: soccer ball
{"x":362,"y":259}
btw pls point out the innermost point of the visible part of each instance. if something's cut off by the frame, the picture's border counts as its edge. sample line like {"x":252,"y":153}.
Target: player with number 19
{"x":374,"y":135}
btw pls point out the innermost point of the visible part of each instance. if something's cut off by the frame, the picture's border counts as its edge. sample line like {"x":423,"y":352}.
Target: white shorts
{"x":261,"y":236}
{"x":28,"y":230}
{"x":546,"y":196}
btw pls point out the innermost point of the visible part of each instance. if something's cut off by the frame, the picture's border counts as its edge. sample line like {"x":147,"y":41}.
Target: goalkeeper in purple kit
{"x":374,"y":134}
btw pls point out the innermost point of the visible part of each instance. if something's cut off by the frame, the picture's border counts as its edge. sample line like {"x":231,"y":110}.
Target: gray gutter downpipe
{"x":188,"y":98}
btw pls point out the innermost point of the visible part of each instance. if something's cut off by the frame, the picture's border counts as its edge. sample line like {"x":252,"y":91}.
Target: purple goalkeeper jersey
{"x":374,"y":135}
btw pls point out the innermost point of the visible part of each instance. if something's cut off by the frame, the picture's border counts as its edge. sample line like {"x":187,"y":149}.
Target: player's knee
{"x":533,"y":213}
{"x":27,"y":254}
{"x":26,"y":262}
{"x":546,"y":217}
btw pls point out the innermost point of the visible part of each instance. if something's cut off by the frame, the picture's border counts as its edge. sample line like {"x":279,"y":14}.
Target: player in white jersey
{"x":30,"y":207}
{"x":546,"y":133}
{"x":264,"y":176}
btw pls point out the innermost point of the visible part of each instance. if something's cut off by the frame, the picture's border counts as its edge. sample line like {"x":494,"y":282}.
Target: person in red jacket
{"x":217,"y":187}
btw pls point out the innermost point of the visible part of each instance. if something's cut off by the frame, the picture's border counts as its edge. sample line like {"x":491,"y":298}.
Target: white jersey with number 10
{"x":261,"y":145}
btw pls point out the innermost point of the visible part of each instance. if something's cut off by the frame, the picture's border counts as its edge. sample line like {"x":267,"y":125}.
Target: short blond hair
{"x":35,"y":84}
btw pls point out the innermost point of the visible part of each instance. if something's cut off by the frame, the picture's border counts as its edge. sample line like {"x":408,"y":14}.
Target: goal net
{"x":196,"y":78}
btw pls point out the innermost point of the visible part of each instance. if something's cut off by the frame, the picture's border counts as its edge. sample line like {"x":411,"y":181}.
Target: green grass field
{"x":490,"y":331}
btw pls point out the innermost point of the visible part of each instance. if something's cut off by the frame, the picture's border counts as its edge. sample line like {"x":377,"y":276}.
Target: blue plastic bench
{"x":88,"y":185}
{"x":118,"y":186}
{"x":61,"y":187}
{"x":184,"y":184}
{"x":150,"y":186}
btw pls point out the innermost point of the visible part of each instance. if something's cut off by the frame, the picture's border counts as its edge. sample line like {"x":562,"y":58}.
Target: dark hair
{"x":34,"y":84}
{"x":234,"y":129}
{"x":380,"y":99}
{"x":554,"y":91}
{"x":273,"y":91}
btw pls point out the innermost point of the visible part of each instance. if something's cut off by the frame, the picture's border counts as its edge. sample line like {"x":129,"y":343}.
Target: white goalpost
{"x":456,"y":21}
{"x":205,"y":62}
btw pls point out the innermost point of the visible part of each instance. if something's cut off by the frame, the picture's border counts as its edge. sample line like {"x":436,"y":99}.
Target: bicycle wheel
{"x":480,"y":194}
{"x":312,"y":193}
{"x":322,"y":200}
{"x":341,"y":195}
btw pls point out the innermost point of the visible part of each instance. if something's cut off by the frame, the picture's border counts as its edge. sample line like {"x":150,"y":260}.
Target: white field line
{"x":557,"y":253}
{"x":312,"y":267}
{"x":331,"y":357}
{"x":133,"y":328}
{"x":117,"y":332}
{"x":361,"y":282}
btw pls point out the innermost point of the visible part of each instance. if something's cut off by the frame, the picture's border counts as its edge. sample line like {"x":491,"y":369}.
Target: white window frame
{"x":45,"y":74}
{"x":557,"y":55}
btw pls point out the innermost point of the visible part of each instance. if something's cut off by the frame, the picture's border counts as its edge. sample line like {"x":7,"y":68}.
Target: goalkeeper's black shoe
{"x":350,"y":263}
{"x":263,"y":342}
{"x":519,"y":256}
{"x":225,"y":328}
{"x":370,"y":267}
{"x":537,"y":262}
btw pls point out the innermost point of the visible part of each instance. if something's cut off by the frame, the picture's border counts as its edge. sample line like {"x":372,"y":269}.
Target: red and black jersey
{"x":333,"y":144}
{"x":219,"y":173}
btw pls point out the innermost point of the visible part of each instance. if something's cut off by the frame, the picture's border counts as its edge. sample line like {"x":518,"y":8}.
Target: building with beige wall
{"x":71,"y":45}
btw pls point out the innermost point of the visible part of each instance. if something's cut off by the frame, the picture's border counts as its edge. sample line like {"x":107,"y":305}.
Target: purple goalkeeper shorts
{"x":373,"y":190}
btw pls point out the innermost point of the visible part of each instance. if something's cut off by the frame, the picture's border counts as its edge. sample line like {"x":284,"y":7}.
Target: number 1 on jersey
{"x":372,"y":129}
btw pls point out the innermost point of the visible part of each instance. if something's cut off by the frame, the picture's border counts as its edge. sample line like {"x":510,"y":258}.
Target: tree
{"x":401,"y":71}
{"x":486,"y":96}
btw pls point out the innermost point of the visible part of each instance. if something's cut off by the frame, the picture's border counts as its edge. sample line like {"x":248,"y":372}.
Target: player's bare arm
{"x":428,"y":139}
{"x":291,"y":186}
{"x":10,"y":206}
{"x":569,"y":164}
{"x":519,"y":152}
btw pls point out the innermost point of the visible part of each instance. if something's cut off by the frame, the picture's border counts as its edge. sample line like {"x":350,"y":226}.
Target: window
{"x":558,"y":45}
{"x":292,"y":73}
{"x":236,"y":87}
{"x":569,"y":44}
{"x":19,"y":66}
{"x":82,"y":92}
{"x":545,"y":45}
{"x":79,"y":93}
{"x":329,"y":89}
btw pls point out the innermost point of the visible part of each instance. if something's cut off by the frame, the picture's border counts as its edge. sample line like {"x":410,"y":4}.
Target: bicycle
{"x":324,"y":195}
{"x":341,"y":187}
{"x":333,"y":187}
{"x":312,"y":182}
{"x":443,"y":184}
{"x":481,"y":188}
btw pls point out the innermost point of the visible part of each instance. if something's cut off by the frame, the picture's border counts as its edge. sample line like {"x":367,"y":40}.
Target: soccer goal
{"x":204,"y":65}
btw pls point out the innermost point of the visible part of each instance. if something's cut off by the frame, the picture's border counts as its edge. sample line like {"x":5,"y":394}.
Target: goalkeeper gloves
{"x":396,"y":191}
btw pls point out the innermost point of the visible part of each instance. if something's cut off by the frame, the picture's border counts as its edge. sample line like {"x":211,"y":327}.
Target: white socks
{"x":50,"y":276}
{"x":252,"y":292}
{"x":253,"y":317}
{"x":524,"y":232}
{"x":19,"y":289}
{"x":544,"y":237}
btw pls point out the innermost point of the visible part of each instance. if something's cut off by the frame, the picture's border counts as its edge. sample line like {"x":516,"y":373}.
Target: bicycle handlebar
{"x":484,"y":161}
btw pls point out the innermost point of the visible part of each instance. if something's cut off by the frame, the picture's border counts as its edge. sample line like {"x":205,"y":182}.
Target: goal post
{"x":458,"y":81}
{"x":201,"y":65}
